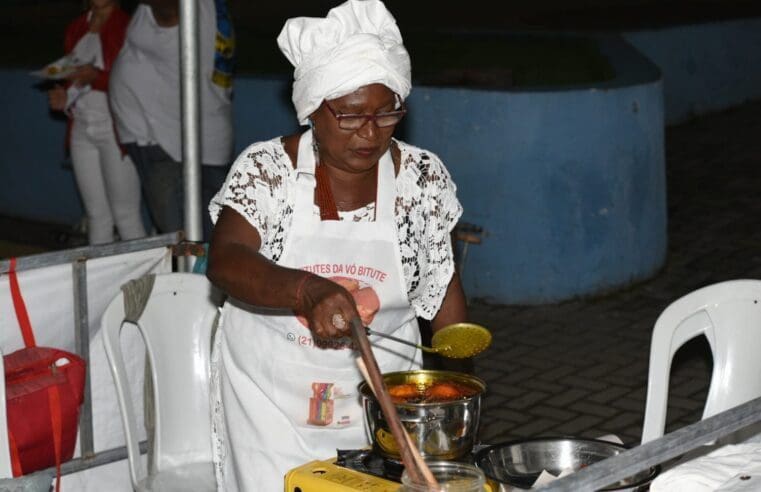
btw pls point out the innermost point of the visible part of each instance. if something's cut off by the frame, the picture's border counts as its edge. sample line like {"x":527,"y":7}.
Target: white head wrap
{"x":356,"y":44}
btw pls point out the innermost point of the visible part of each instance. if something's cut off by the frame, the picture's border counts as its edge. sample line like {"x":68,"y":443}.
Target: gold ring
{"x":338,"y":321}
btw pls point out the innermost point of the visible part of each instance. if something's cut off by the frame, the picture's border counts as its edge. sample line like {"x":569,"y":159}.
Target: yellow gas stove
{"x":354,"y":470}
{"x":327,"y":476}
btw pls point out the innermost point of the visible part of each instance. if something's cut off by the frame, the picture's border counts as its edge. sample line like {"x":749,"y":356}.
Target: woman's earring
{"x":315,"y":146}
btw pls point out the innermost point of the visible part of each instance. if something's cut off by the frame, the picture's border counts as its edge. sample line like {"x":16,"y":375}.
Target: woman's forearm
{"x":250,"y":277}
{"x":240,"y":270}
{"x":453,"y":308}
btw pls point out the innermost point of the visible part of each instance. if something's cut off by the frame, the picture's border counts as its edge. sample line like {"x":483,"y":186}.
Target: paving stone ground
{"x":580,"y":367}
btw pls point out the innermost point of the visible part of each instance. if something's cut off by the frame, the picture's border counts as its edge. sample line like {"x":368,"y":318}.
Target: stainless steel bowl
{"x":442,"y":431}
{"x":519,"y":463}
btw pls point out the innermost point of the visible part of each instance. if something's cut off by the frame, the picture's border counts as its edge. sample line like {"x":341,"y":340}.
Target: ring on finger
{"x":339,"y":321}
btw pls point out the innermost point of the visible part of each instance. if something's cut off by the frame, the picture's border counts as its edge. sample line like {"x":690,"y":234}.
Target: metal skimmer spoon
{"x":455,"y":341}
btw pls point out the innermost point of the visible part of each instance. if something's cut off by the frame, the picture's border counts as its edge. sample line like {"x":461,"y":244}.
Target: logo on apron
{"x":322,"y":403}
{"x":364,"y":295}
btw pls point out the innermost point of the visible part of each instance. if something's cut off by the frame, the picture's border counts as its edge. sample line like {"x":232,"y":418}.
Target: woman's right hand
{"x":57,"y":98}
{"x":328,"y":307}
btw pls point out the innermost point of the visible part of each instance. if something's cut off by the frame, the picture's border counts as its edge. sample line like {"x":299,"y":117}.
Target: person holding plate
{"x":106,"y":178}
{"x":313,"y":230}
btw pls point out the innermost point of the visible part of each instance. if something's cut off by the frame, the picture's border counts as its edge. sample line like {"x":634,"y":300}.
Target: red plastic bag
{"x":44,"y":388}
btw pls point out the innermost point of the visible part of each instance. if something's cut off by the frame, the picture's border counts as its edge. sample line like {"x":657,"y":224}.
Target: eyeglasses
{"x":357,"y":121}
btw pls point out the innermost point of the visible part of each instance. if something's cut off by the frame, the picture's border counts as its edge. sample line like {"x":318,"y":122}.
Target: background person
{"x":145,"y":97}
{"x":106,"y":178}
{"x":340,"y":221}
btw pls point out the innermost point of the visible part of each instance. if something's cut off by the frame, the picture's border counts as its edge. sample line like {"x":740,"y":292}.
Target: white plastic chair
{"x":6,"y":470}
{"x":729,"y":315}
{"x":176,"y":326}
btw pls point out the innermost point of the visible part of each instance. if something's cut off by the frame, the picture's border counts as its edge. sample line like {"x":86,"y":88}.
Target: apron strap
{"x":386,"y":193}
{"x":305,"y":179}
{"x":20,"y":307}
{"x":54,"y":402}
{"x":305,"y":161}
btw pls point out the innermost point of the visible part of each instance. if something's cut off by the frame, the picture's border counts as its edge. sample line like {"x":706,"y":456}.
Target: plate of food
{"x":59,"y":69}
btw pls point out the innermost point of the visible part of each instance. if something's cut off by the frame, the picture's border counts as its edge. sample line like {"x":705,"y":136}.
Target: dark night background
{"x":31,"y":31}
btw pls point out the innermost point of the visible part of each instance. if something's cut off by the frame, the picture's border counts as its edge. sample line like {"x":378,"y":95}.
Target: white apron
{"x":287,"y":398}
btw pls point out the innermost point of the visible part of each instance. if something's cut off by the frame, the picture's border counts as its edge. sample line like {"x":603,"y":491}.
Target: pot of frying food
{"x":439,"y":409}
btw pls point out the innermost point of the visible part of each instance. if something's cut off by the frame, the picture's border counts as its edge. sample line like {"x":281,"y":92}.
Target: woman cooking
{"x":313,"y":230}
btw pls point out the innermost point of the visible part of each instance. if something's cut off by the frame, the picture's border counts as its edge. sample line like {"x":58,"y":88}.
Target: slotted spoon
{"x":455,"y":341}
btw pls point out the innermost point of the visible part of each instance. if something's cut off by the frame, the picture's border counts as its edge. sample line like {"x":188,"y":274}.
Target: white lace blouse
{"x":260,"y":187}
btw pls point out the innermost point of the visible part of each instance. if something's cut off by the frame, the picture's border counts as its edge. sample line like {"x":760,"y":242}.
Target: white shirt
{"x":88,"y":50}
{"x":261,"y":187}
{"x":144,"y":89}
{"x":88,"y":106}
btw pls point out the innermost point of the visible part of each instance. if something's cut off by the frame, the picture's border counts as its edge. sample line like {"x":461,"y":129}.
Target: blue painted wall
{"x":34,"y":183}
{"x":568,"y":184}
{"x":706,"y":67}
{"x":263,"y":110}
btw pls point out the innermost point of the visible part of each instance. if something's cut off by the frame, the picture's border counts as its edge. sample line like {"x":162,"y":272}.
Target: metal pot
{"x":441,"y":431}
{"x":517,"y":464}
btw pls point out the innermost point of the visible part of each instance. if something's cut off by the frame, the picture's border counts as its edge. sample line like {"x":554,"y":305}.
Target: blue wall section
{"x":34,"y":183}
{"x":262,"y":110}
{"x":569,"y":185}
{"x":706,"y":67}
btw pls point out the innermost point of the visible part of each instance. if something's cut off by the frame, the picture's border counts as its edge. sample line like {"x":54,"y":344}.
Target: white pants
{"x":107,"y":181}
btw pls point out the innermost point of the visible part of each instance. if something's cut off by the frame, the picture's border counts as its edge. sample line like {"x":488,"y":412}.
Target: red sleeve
{"x":74,"y":32}
{"x":112,"y":37}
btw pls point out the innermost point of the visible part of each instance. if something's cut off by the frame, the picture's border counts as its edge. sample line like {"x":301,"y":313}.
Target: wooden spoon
{"x":430,"y":480}
{"x":387,"y":406}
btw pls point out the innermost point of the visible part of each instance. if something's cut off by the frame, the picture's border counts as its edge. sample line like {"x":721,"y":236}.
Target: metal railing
{"x":78,"y":258}
{"x":593,"y":477}
{"x":658,"y":451}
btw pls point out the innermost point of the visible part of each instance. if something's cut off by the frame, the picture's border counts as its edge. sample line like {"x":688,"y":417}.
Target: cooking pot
{"x":517,"y":464}
{"x":441,"y":430}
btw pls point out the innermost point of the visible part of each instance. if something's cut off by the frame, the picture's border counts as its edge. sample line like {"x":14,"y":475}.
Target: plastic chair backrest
{"x":176,"y":326}
{"x":729,"y":315}
{"x":6,"y":471}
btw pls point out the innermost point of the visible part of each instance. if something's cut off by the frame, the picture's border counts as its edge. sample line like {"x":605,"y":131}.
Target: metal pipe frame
{"x":53,"y":258}
{"x":78,"y":258}
{"x":191,"y":117}
{"x":98,"y":459}
{"x":593,"y":477}
{"x":82,"y":343}
{"x":658,"y":451}
{"x":191,"y":152}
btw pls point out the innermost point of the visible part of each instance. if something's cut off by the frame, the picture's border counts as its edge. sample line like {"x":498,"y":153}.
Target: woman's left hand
{"x":57,"y":98}
{"x":83,"y":75}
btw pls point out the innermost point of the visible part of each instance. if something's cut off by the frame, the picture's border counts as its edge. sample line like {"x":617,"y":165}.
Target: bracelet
{"x":302,"y":282}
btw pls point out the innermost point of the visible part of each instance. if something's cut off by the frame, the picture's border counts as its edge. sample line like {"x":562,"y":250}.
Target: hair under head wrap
{"x":358,"y":43}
